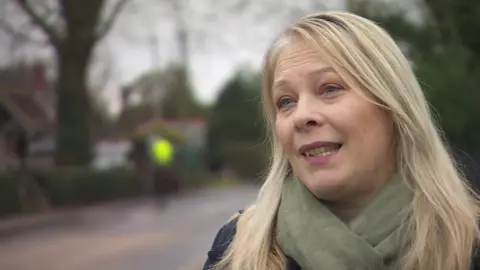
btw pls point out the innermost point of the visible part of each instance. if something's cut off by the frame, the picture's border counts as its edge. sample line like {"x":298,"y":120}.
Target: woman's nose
{"x":307,"y":115}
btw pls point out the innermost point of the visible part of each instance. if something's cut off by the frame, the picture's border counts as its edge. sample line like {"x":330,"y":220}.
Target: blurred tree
{"x":445,"y":52}
{"x":131,"y":117}
{"x":102,"y":73}
{"x":101,"y":122}
{"x":235,"y":132}
{"x":169,"y":93}
{"x":444,"y":49}
{"x":193,"y":27}
{"x":179,"y":102}
{"x":73,"y":28}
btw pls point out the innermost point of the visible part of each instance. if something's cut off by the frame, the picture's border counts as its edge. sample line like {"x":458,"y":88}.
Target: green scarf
{"x":316,"y":239}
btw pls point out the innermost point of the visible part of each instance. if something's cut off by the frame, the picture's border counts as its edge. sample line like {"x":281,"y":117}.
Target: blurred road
{"x":133,"y":235}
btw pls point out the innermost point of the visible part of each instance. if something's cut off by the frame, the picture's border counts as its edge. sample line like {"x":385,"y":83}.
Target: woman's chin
{"x":326,"y":187}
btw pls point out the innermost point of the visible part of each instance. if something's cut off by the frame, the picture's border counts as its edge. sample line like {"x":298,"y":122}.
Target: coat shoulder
{"x":476,"y":259}
{"x":222,"y":241}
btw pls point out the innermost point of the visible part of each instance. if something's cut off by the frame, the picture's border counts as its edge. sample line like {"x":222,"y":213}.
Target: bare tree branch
{"x":110,"y":21}
{"x":102,"y":70}
{"x":53,"y":36}
{"x":17,"y":35}
{"x":12,"y":33}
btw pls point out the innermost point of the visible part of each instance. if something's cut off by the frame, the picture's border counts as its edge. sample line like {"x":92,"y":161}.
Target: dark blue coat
{"x":225,"y":236}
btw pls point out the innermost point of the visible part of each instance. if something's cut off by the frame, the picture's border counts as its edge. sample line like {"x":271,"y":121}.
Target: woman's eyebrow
{"x":283,"y":83}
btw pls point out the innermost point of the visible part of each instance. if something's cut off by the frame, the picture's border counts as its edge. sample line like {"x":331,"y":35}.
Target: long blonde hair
{"x":442,"y":224}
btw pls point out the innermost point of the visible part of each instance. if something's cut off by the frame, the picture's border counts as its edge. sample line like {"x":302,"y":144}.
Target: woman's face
{"x":338,"y":143}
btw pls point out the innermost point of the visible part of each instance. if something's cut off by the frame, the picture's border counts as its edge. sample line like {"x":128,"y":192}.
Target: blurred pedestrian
{"x":166,"y":179}
{"x":360,"y":178}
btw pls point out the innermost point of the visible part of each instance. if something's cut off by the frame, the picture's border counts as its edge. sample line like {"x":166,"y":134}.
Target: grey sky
{"x":219,"y":44}
{"x":221,"y":39}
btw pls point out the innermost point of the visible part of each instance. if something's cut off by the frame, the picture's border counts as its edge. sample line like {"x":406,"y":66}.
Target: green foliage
{"x":248,"y":160}
{"x":236,"y":125}
{"x":179,"y":101}
{"x":445,"y":51}
{"x":451,"y":93}
{"x":236,"y":114}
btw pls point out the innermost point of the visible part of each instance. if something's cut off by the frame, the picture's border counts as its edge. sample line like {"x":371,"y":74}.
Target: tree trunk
{"x":74,"y":138}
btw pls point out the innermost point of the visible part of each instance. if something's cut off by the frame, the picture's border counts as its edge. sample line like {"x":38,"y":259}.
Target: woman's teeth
{"x":321,"y":151}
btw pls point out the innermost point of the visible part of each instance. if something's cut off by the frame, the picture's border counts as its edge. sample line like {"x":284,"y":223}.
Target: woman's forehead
{"x":297,"y":53}
{"x":300,"y":59}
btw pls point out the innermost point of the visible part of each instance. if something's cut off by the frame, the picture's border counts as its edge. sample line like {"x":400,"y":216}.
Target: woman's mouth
{"x":321,"y":154}
{"x":322,"y":150}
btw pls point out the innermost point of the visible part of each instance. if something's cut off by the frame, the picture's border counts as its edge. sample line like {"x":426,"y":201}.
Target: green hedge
{"x":73,"y":185}
{"x":78,"y":186}
{"x":70,"y":186}
{"x":9,"y":202}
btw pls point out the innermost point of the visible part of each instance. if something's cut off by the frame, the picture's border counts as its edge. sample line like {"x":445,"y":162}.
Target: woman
{"x":360,"y":178}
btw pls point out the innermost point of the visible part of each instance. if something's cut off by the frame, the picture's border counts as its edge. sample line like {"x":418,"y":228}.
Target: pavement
{"x":140,"y":234}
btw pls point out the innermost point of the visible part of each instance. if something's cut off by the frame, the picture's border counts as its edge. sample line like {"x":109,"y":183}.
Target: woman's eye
{"x":284,"y":101}
{"x":331,"y":88}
